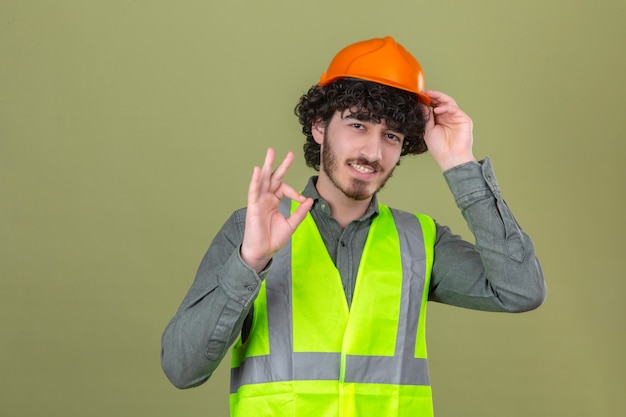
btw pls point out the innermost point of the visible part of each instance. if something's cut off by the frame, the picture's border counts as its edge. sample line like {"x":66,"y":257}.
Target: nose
{"x":371,"y":148}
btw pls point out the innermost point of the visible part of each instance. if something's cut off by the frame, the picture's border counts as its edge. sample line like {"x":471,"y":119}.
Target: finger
{"x":285,"y":190}
{"x":266,"y":170}
{"x":437,"y":98}
{"x":449,"y":111}
{"x":299,"y":215}
{"x":253,"y":188}
{"x":280,"y":172}
{"x":443,"y":109}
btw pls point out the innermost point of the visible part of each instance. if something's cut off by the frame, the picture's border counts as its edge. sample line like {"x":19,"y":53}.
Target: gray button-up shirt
{"x":499,"y":273}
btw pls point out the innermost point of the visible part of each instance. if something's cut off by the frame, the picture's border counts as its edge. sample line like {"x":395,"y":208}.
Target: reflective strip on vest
{"x":379,"y":340}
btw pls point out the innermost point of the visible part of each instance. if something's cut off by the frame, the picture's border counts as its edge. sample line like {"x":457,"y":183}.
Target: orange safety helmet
{"x":382,"y":61}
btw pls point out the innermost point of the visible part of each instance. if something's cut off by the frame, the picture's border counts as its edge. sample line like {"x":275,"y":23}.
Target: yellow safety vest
{"x":309,"y":355}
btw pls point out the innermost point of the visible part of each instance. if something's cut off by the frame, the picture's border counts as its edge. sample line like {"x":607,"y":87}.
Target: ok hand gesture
{"x":267,"y":230}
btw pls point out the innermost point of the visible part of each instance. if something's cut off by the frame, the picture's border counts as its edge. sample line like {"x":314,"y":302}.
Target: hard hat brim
{"x":421,"y":96}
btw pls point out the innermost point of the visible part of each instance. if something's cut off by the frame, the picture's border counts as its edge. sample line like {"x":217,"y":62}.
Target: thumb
{"x":298,"y":216}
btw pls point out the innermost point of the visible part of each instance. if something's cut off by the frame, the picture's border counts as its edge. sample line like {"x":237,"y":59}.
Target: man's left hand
{"x":448,"y":132}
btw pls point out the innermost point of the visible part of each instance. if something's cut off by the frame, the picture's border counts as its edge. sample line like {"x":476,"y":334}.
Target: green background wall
{"x":128,"y":132}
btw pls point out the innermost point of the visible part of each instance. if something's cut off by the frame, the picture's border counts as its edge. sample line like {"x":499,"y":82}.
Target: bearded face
{"x":358,"y":157}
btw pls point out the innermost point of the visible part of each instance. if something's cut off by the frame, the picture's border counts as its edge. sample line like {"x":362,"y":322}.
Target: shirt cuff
{"x":243,"y":282}
{"x":472,"y":181}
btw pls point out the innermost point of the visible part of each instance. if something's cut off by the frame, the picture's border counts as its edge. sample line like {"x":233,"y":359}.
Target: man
{"x":324,"y":293}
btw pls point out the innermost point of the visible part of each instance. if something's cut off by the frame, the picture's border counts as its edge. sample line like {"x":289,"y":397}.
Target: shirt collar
{"x":322,"y":207}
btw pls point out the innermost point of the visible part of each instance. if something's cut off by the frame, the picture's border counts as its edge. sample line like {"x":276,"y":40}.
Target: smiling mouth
{"x":363,"y":169}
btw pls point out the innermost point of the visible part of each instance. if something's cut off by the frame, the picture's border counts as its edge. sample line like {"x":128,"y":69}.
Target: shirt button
{"x":343,"y":243}
{"x":250,"y":288}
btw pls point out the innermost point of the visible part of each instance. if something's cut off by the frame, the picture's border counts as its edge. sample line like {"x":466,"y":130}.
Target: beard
{"x":356,"y":189}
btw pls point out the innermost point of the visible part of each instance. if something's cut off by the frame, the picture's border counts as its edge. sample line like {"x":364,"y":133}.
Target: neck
{"x":342,"y":208}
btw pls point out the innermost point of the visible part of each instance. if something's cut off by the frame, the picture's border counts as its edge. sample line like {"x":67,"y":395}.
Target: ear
{"x":317,"y":130}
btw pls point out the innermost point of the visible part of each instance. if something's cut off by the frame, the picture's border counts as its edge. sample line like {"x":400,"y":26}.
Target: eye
{"x":393,"y":137}
{"x":358,"y":126}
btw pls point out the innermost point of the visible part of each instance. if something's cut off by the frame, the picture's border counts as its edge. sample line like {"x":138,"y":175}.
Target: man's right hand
{"x":267,"y":230}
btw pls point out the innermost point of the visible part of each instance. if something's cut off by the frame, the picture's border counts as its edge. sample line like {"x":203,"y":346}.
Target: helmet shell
{"x":380,"y":60}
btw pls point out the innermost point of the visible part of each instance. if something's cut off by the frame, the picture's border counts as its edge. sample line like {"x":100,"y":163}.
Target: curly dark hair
{"x":371,"y":101}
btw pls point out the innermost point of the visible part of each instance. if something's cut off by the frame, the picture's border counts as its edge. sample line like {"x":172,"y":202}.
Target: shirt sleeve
{"x":498,"y":273}
{"x":212,"y":313}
